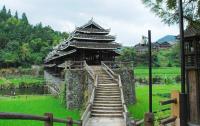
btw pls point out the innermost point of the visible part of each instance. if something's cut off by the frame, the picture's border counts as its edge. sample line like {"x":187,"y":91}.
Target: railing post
{"x":149,"y":119}
{"x":49,"y":122}
{"x":69,"y":121}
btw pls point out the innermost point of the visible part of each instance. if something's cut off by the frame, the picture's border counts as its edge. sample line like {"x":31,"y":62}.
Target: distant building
{"x":143,"y":48}
{"x":164,"y":45}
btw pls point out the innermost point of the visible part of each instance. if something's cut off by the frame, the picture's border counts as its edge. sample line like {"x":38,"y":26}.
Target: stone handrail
{"x":113,"y":75}
{"x":123,"y":101}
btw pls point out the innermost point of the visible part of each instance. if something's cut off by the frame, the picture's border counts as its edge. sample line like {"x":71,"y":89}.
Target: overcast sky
{"x":128,"y":19}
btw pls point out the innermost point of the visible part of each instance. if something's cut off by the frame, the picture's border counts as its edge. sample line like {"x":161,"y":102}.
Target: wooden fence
{"x":48,"y":118}
{"x":175,"y":110}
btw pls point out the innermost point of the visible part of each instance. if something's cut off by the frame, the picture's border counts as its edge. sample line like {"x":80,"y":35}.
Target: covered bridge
{"x":90,"y":42}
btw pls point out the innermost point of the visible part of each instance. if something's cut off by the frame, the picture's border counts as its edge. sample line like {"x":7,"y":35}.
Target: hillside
{"x":167,"y":38}
{"x":23,"y":44}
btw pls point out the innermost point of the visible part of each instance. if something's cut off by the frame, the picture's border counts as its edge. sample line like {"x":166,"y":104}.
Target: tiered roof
{"x":89,"y":36}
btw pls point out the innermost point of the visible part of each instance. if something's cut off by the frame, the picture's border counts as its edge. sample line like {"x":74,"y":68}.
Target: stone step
{"x":106,"y":111}
{"x":107,"y":88}
{"x":108,"y":102}
{"x":107,"y":99}
{"x":106,"y":105}
{"x":107,"y":108}
{"x":106,"y":115}
{"x":106,"y":81}
{"x":107,"y":96}
{"x":110,"y":84}
{"x":107,"y":91}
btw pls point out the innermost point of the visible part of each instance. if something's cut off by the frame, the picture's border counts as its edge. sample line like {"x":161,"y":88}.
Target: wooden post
{"x":69,"y":121}
{"x":175,"y":107}
{"x":80,"y":123}
{"x":50,"y":119}
{"x":149,"y":119}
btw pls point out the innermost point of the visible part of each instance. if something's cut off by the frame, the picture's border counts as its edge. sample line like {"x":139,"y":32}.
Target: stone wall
{"x":78,"y":88}
{"x":54,"y":81}
{"x":128,"y":84}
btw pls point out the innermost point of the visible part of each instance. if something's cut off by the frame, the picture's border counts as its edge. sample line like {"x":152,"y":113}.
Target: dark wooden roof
{"x":93,"y":37}
{"x":85,"y":40}
{"x":94,"y":45}
{"x":192,"y":31}
{"x":92,"y":31}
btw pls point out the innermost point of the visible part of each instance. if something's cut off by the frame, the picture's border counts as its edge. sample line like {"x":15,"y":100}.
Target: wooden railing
{"x":174,"y":101}
{"x":87,"y":112}
{"x":123,"y":101}
{"x":48,"y":118}
{"x":89,"y":70}
{"x":114,"y":76}
{"x":109,"y":70}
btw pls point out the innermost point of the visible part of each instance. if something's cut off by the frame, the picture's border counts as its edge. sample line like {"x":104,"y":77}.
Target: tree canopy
{"x":23,"y":44}
{"x":167,"y":10}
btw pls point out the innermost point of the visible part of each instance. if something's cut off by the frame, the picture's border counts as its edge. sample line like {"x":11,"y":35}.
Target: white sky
{"x":128,"y":19}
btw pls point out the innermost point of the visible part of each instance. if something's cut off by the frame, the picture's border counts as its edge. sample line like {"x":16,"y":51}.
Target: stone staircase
{"x":107,"y":101}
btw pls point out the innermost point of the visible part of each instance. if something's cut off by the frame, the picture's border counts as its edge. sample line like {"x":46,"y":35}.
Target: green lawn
{"x":160,"y":72}
{"x":24,"y":79}
{"x":159,"y":93}
{"x":37,"y":105}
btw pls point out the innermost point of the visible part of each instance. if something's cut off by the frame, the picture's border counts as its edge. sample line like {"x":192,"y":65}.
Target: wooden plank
{"x":175,"y":106}
{"x":194,"y":100}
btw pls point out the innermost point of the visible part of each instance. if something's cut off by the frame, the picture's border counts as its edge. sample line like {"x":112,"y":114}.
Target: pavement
{"x":101,"y":121}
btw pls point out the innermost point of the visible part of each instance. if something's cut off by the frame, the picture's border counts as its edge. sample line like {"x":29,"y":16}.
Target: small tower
{"x":192,"y":57}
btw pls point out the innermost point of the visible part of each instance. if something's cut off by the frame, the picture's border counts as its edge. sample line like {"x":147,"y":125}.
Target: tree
{"x":24,"y":18}
{"x":22,"y":44}
{"x":16,"y":15}
{"x":167,"y":10}
{"x":127,"y":54}
{"x":9,"y":13}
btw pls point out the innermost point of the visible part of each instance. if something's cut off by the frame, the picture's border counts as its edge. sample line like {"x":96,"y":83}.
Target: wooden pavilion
{"x":192,"y":56}
{"x":90,"y":42}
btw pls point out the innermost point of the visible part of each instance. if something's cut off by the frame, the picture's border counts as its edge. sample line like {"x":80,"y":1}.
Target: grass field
{"x":160,"y":92}
{"x":160,"y":72}
{"x":24,"y":79}
{"x":37,"y":105}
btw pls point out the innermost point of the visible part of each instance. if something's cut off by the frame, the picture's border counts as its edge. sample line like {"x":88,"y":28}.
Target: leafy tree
{"x":127,"y":54}
{"x":167,"y":10}
{"x":23,"y":44}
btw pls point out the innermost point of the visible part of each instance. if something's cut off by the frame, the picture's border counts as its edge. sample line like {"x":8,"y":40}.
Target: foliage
{"x":167,"y":10}
{"x":137,"y":110}
{"x":37,"y":105}
{"x":162,"y":58}
{"x":23,"y":44}
{"x":21,"y":80}
{"x":127,"y":54}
